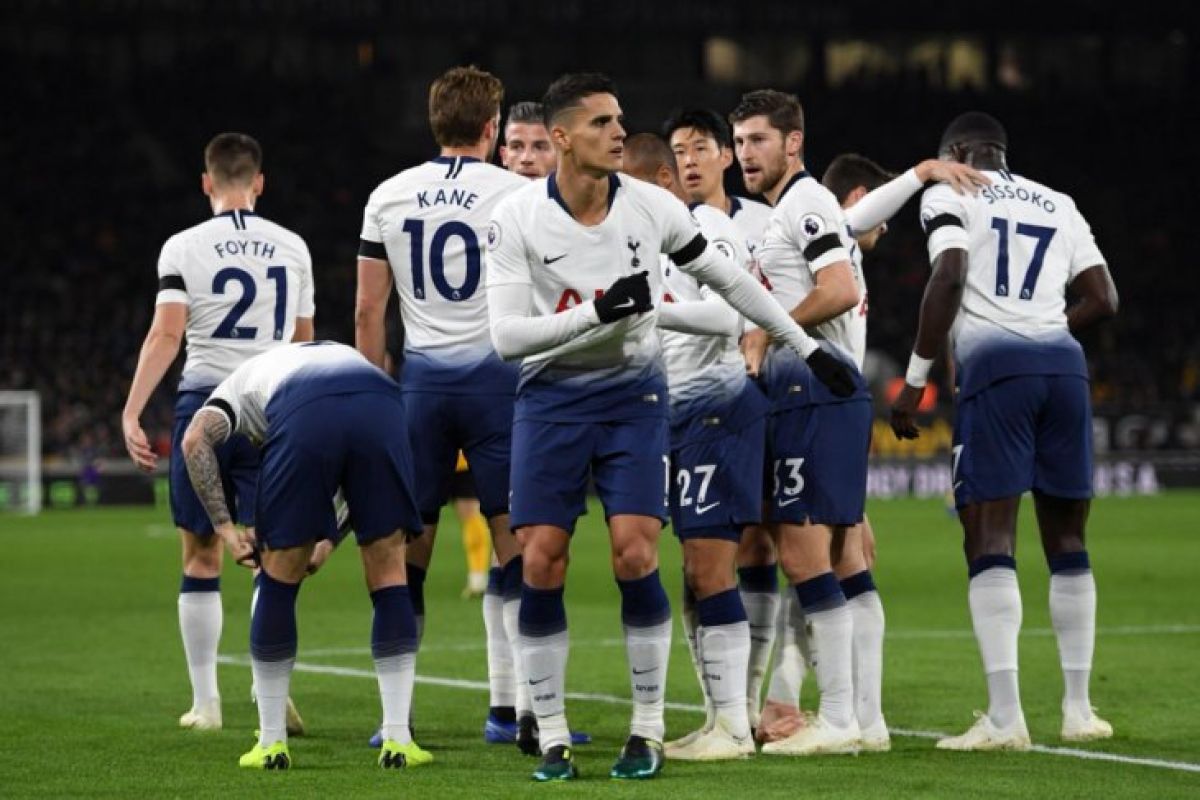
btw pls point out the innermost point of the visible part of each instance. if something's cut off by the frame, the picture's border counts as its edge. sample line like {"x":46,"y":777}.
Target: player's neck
{"x":585,"y":193}
{"x":234,"y":200}
{"x":721,"y":201}
{"x":479,"y":151}
{"x":987,"y":161}
{"x":794,"y":168}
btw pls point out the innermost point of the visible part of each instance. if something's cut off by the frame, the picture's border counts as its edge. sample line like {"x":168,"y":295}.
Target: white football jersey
{"x":245,"y":280}
{"x":305,"y":369}
{"x":703,"y":365}
{"x":430,"y":222}
{"x":535,"y":240}
{"x":808,"y":232}
{"x":1025,"y":244}
{"x":751,"y":218}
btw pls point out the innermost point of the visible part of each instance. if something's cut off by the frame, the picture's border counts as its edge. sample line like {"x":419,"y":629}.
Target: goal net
{"x":20,"y":452}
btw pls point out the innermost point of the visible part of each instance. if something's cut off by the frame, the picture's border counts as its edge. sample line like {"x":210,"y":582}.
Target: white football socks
{"x":501,"y":678}
{"x":200,"y":621}
{"x":995,"y":601}
{"x":791,"y":653}
{"x":832,"y":658}
{"x":724,"y":652}
{"x":510,"y":616}
{"x":271,"y":679}
{"x":648,"y":650}
{"x":1073,"y":614}
{"x":396,"y":675}
{"x":866,"y":611}
{"x":762,"y":608}
{"x":545,"y":660}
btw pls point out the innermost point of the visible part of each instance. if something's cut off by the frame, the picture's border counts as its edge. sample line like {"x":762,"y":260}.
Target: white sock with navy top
{"x":866,"y":612}
{"x":200,"y":620}
{"x":724,"y":649}
{"x":995,"y":600}
{"x":543,"y":650}
{"x":394,"y":649}
{"x":831,"y":645}
{"x":646,"y":616}
{"x":759,"y":587}
{"x":1073,"y":615}
{"x":273,"y":654}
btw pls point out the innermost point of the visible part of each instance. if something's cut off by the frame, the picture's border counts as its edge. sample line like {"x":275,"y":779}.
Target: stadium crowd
{"x":81,"y":245}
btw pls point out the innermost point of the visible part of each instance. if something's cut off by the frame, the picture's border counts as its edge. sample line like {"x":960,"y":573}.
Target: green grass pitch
{"x":94,"y":677}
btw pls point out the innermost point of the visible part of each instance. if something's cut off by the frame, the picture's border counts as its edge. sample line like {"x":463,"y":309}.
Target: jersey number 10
{"x":229,"y":328}
{"x":415,"y":228}
{"x":1042,"y":234}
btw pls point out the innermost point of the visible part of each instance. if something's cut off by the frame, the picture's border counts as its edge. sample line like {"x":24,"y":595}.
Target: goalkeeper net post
{"x":20,"y":452}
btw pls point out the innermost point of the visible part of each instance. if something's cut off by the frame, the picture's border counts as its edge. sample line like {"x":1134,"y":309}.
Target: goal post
{"x":20,"y":452}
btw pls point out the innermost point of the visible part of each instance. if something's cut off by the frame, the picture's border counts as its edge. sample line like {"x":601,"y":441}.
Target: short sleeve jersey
{"x":1025,"y":243}
{"x":265,"y":388}
{"x":808,"y":232}
{"x":430,"y":223}
{"x":244,"y":280}
{"x":614,"y":371}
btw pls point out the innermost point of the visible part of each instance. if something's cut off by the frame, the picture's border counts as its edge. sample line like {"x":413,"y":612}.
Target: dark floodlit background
{"x":109,"y":104}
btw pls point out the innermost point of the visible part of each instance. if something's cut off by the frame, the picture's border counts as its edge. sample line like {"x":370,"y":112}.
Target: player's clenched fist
{"x":627,"y":296}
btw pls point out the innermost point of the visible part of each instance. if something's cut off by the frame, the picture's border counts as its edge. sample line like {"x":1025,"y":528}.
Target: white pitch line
{"x":482,"y":686}
{"x":902,"y":634}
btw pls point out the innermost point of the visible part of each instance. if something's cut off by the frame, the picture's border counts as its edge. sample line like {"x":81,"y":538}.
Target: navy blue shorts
{"x":716,"y":467}
{"x":818,"y":463}
{"x":353,"y":441}
{"x":551,"y":461}
{"x":238,"y":459}
{"x":1030,"y":432}
{"x":438,"y":426}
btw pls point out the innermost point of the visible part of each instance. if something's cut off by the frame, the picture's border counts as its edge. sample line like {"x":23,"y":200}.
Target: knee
{"x":634,"y":559}
{"x":791,"y":561}
{"x":543,"y":567}
{"x":706,"y":580}
{"x":201,"y":555}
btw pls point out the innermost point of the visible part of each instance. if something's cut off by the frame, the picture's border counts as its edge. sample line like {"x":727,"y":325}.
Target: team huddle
{"x":600,"y":315}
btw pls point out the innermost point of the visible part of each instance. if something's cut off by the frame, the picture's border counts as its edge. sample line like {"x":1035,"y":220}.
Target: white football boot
{"x":715,"y":744}
{"x":1078,"y":728}
{"x":875,"y":737}
{"x":984,"y":735}
{"x":816,"y":738}
{"x":206,"y":717}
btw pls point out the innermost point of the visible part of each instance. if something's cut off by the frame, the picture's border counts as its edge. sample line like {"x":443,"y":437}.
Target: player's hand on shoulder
{"x":832,"y":372}
{"x":627,"y":296}
{"x":959,"y":177}
{"x":904,"y":412}
{"x":138,"y":445}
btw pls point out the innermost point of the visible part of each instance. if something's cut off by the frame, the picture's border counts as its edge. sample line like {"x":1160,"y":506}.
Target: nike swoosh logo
{"x":643,"y":672}
{"x":783,"y":503}
{"x":627,"y":304}
{"x":532,"y":682}
{"x":705,"y":509}
{"x":549,"y":260}
{"x":956,"y":485}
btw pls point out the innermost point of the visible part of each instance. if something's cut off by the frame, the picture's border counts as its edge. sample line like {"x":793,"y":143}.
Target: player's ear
{"x":256,"y":186}
{"x":793,"y":144}
{"x":663,"y":177}
{"x":503,"y":151}
{"x":206,"y":184}
{"x":726,"y":157}
{"x":858,"y":193}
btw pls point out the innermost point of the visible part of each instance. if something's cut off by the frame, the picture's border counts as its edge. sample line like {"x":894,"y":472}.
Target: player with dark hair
{"x":236,"y":285}
{"x":817,"y":449}
{"x":1004,"y":262}
{"x":527,"y":150}
{"x":572,"y":290}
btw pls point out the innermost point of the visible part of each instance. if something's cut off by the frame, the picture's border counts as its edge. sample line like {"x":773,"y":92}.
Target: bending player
{"x":236,"y":285}
{"x":422,"y":231}
{"x":328,"y":420}
{"x":1003,"y":263}
{"x":718,"y":428}
{"x":592,"y":398}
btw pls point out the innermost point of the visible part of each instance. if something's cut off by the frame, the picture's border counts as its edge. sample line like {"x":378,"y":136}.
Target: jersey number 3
{"x":415,"y":228}
{"x":229,"y":328}
{"x":1042,"y":234}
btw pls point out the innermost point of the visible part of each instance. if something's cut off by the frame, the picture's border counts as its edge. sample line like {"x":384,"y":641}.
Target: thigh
{"x":550,"y":463}
{"x":485,"y":424}
{"x":377,"y":476}
{"x":994,"y":440}
{"x":819,"y":463}
{"x":1063,"y":464}
{"x":302,"y":461}
{"x":716,"y":485}
{"x":629,"y":466}
{"x":428,"y":423}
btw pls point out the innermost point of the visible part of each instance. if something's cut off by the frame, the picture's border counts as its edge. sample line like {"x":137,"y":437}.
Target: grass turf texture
{"x":94,"y":677}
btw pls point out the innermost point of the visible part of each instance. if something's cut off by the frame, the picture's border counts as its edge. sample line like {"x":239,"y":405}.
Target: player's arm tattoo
{"x":208,"y":429}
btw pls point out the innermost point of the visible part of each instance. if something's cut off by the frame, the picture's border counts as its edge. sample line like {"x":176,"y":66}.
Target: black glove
{"x":832,"y":372}
{"x":627,"y":296}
